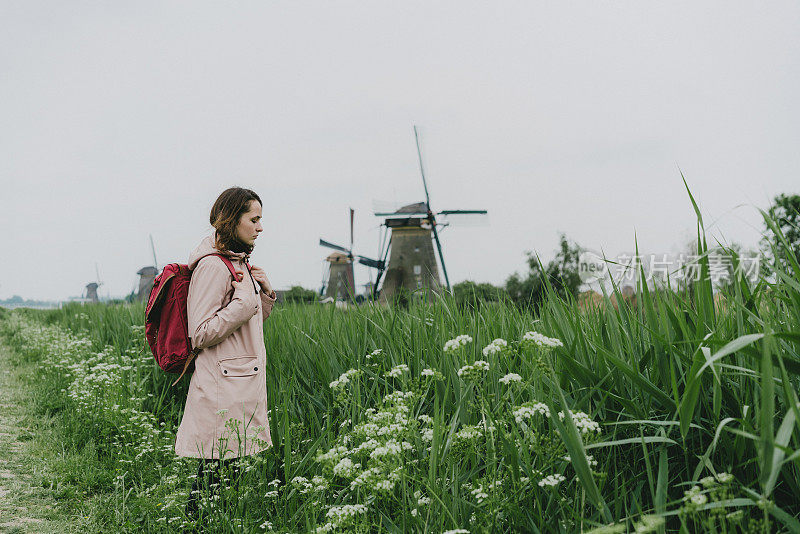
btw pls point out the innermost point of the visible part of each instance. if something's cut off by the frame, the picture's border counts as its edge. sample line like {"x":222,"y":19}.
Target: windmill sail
{"x":430,"y":213}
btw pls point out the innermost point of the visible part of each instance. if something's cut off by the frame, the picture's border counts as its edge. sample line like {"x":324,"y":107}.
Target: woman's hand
{"x":261,"y":277}
{"x":239,"y":280}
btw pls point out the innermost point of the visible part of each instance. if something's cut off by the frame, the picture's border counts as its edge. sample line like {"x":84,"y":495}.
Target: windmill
{"x":91,"y":287}
{"x":340,"y":283}
{"x":147,"y":275}
{"x":414,"y":230}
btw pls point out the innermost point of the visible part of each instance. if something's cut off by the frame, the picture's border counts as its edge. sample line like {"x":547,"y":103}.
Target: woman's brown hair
{"x":225,"y":214}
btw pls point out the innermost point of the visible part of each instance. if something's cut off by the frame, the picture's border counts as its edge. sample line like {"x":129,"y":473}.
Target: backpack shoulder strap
{"x":226,"y":261}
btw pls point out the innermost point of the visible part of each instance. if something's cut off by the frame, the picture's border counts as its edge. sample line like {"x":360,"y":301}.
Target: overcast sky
{"x":124,"y":119}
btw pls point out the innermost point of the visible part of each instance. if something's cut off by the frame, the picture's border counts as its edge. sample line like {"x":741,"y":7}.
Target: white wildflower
{"x":457,"y":343}
{"x":528,"y":410}
{"x":495,"y":346}
{"x":510,"y":377}
{"x":552,"y":480}
{"x":474,"y":370}
{"x":469,"y":432}
{"x":699,"y":499}
{"x":724,"y":478}
{"x":589,"y":458}
{"x":397,"y":370}
{"x":695,"y":496}
{"x":345,"y":468}
{"x":542,"y":340}
{"x":344,"y":379}
{"x":582,"y":420}
{"x":340,"y":514}
{"x":479,"y":495}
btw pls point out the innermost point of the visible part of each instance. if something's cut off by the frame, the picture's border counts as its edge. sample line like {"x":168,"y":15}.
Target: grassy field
{"x":676,"y":414}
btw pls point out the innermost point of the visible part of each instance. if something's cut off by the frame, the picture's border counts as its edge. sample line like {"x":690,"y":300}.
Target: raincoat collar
{"x":207,"y":246}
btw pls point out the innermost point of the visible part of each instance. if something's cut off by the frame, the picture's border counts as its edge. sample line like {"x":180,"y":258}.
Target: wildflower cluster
{"x":542,"y":340}
{"x":509,"y":378}
{"x":497,"y":345}
{"x":370,"y":456}
{"x":374,"y":354}
{"x":697,"y":501}
{"x":584,"y":423}
{"x":96,"y":382}
{"x":552,"y":480}
{"x":529,"y":409}
{"x":454,"y":344}
{"x":474,"y":371}
{"x":104,"y":390}
{"x":342,"y":517}
{"x":422,"y":501}
{"x":376,"y":359}
{"x":396,"y":371}
{"x":589,"y":459}
{"x":695,"y":497}
{"x":344,"y":379}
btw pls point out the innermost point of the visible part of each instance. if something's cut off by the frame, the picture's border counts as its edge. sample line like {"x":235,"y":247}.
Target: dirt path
{"x":25,"y":506}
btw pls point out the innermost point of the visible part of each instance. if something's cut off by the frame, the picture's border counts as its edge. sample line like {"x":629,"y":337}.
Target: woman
{"x":226,"y":407}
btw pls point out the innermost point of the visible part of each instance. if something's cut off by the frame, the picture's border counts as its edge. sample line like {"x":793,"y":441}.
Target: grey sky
{"x":128,"y":118}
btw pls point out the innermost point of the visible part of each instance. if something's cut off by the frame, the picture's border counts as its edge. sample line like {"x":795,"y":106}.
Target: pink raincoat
{"x":226,"y":407}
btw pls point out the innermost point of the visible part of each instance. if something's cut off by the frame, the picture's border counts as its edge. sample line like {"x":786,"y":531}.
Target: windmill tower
{"x":147,"y":276}
{"x":340,"y":283}
{"x":91,"y":292}
{"x":414,"y":231}
{"x":91,"y":287}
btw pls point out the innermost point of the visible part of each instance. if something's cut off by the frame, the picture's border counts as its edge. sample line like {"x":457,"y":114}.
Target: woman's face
{"x":250,"y":224}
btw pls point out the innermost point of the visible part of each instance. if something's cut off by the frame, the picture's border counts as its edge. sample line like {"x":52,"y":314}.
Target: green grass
{"x":682,"y":390}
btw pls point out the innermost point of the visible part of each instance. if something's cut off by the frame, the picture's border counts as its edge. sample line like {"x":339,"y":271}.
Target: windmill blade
{"x":97,"y":271}
{"x":422,"y":169}
{"x":465,"y":217}
{"x":324,"y":243}
{"x":463,"y":212}
{"x":441,"y":256}
{"x":153,"y":247}
{"x":369,"y":262}
{"x":381,"y":270}
{"x":324,"y":283}
{"x":402,"y":215}
{"x":352,"y":212}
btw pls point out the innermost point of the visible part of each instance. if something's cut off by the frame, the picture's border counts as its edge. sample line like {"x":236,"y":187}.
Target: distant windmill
{"x":91,"y":292}
{"x":340,"y":283}
{"x":147,"y":275}
{"x":91,"y":287}
{"x":412,"y":264}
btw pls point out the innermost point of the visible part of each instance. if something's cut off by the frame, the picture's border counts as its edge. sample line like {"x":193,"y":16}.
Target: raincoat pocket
{"x":238,"y":366}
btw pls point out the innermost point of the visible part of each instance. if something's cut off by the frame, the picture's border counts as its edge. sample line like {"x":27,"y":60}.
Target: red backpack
{"x":166,"y":324}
